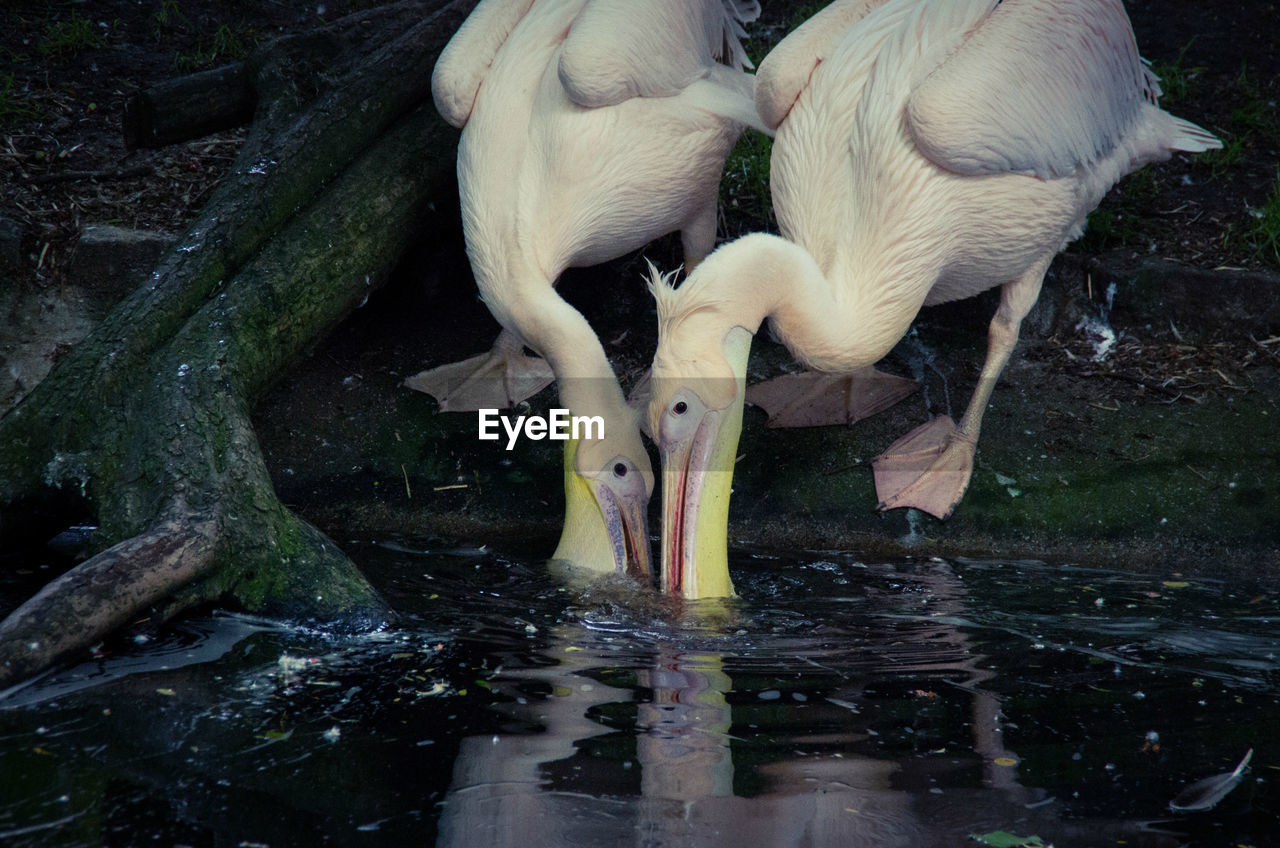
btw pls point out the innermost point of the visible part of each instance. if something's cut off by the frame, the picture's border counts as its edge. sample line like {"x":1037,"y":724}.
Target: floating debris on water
{"x":1205,"y":794}
{"x":1005,"y":839}
{"x":828,"y":672}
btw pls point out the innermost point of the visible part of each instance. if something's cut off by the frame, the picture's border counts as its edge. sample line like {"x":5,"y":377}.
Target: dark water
{"x":836,"y":703}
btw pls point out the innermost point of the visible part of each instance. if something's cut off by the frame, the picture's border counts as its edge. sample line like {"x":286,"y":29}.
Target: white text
{"x":559,"y":425}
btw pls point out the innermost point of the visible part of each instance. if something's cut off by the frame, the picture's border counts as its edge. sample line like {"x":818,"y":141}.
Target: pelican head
{"x":695,"y":415}
{"x":607,"y":485}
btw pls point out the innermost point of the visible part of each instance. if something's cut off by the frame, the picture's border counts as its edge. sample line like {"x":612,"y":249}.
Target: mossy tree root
{"x":149,"y":416}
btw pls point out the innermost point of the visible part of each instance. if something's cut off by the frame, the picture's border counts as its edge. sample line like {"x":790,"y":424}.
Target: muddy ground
{"x":1163,"y":454}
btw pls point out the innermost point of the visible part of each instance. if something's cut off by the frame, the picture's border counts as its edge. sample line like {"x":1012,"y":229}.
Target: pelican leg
{"x":498,"y":379}
{"x":698,"y":237}
{"x":814,"y":399}
{"x":929,"y":468}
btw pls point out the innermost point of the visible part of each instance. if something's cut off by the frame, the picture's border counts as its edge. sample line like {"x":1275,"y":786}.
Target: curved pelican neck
{"x":749,"y":280}
{"x":832,"y":324}
{"x":561,"y":335}
{"x":585,"y":380}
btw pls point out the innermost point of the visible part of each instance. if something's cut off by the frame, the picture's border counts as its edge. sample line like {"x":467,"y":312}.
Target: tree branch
{"x":105,"y":592}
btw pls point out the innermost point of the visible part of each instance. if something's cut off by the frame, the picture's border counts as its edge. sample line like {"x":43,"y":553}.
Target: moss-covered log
{"x":149,"y":416}
{"x":189,"y":107}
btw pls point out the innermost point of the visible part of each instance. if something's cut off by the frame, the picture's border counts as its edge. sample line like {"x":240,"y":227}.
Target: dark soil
{"x":64,"y":158}
{"x":1221,"y":65}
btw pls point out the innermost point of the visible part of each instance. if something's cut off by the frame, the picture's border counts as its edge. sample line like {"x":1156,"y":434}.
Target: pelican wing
{"x":785,"y":72}
{"x":1040,"y":87}
{"x":466,"y":58}
{"x":619,"y":49}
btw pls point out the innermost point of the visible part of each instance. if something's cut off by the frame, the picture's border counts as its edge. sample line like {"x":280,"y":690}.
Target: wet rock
{"x":111,"y":261}
{"x":1201,"y":300}
{"x":38,"y":326}
{"x":41,"y":323}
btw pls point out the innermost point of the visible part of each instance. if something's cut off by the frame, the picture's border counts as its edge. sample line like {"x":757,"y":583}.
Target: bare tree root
{"x":106,"y":592}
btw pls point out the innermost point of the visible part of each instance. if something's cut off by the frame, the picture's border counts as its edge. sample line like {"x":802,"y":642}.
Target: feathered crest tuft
{"x":728,"y":47}
{"x":663,"y":289}
{"x":676,"y":305}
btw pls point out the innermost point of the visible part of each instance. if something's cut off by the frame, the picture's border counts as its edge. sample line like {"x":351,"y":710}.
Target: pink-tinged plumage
{"x":589,"y":128}
{"x":926,"y":150}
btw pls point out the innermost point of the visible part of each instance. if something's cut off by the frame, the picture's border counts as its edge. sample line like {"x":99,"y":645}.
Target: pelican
{"x":589,"y":128}
{"x":926,"y":150}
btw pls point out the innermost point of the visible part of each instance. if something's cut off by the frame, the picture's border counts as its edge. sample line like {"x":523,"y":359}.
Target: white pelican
{"x":589,"y":128}
{"x":926,"y":150}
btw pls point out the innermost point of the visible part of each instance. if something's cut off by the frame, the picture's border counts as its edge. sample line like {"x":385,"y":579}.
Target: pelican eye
{"x":620,"y":470}
{"x":680,"y":408}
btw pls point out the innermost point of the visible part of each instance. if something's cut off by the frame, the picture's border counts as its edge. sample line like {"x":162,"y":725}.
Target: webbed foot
{"x":815,"y":399}
{"x":929,"y":468}
{"x":498,"y":379}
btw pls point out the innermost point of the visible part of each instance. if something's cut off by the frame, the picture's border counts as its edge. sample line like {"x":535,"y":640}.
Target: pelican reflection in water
{"x":628,"y":739}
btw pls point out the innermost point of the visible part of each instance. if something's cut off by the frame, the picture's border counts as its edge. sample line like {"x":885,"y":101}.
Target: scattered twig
{"x":112,"y":174}
{"x":1128,"y":379}
{"x":1228,"y":381}
{"x":1263,"y":346}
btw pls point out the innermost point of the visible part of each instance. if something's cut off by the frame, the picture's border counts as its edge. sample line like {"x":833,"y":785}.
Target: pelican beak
{"x":626,"y":524}
{"x":697,"y":479}
{"x":699,"y":446}
{"x":606,"y":526}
